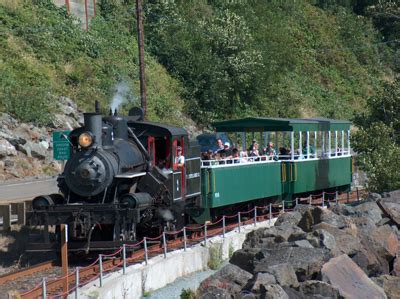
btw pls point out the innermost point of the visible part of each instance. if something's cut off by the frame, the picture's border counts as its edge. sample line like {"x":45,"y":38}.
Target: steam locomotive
{"x":112,"y":191}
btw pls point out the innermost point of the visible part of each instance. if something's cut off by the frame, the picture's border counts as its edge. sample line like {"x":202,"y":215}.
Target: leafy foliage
{"x":270,"y":58}
{"x":378,"y":140}
{"x":44,"y":53}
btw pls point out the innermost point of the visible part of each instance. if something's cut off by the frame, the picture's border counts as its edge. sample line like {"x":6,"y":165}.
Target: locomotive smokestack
{"x":110,"y":112}
{"x":93,"y":124}
{"x":115,"y":112}
{"x":97,"y":106}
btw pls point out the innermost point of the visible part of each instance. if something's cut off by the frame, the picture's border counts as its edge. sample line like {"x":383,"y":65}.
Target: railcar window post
{"x":336,"y":143}
{"x":300,"y":145}
{"x":348,"y":142}
{"x":329,"y":144}
{"x":292,"y":145}
{"x":308,"y":145}
{"x":342,"y":142}
{"x":276,"y":139}
{"x":315,"y":145}
{"x":323,"y":143}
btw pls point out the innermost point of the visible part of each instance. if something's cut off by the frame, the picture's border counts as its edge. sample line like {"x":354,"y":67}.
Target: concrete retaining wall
{"x":160,"y":271}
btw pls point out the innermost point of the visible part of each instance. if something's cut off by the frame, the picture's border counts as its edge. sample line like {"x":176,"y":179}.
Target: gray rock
{"x":345,"y":242}
{"x":390,"y":284}
{"x":244,"y":258}
{"x":230,"y":279}
{"x":7,"y":149}
{"x":327,"y":216}
{"x":318,"y":289}
{"x":313,"y":240}
{"x":274,"y":291}
{"x":391,"y":208}
{"x":283,"y":234}
{"x":288,"y":219}
{"x":306,"y":262}
{"x":342,"y":273}
{"x":258,"y":280}
{"x":326,"y":239}
{"x":385,"y":242}
{"x":33,"y":149}
{"x":303,"y":243}
{"x":284,"y":275}
{"x":342,"y":209}
{"x":371,"y":210}
{"x":374,"y":196}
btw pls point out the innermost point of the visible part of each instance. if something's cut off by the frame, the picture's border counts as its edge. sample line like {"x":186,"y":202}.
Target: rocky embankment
{"x":340,"y":252}
{"x":26,"y":150}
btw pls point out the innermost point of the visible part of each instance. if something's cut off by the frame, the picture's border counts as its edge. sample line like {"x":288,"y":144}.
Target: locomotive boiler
{"x":114,"y":187}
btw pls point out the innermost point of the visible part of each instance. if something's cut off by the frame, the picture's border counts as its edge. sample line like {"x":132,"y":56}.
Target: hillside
{"x":276,"y":58}
{"x":44,"y":54}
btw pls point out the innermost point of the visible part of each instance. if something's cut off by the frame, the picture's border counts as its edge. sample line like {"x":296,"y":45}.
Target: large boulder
{"x":284,"y":275}
{"x":351,"y":281}
{"x":289,"y":219}
{"x":7,"y":149}
{"x":283,"y":234}
{"x":391,"y":208}
{"x":326,"y":239}
{"x":273,"y":291}
{"x":318,"y":289}
{"x":230,"y":279}
{"x":385,"y":241}
{"x":258,"y":280}
{"x":244,"y":258}
{"x":369,"y":209}
{"x":306,"y":262}
{"x":369,"y":260}
{"x":343,"y":209}
{"x":345,"y":241}
{"x":35,"y":149}
{"x":390,"y":284}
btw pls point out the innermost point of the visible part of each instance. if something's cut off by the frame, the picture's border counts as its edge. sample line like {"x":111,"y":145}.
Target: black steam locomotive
{"x":119,"y":184}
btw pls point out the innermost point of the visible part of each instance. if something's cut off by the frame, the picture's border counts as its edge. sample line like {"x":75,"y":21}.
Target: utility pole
{"x":139,"y":26}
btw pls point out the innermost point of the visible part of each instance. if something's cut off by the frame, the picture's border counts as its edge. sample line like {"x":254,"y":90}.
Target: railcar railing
{"x":268,"y":159}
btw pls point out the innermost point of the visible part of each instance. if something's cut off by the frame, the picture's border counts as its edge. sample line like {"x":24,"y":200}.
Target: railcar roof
{"x":262,"y":124}
{"x":156,"y":129}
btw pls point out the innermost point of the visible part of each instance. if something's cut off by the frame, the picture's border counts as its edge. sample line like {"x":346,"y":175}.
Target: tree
{"x":377,"y":141}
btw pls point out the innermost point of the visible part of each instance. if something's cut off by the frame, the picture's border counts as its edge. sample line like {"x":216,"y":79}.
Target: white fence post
{"x":101,"y":269}
{"x":164,"y":244}
{"x":184,"y":238}
{"x":146,"y":257}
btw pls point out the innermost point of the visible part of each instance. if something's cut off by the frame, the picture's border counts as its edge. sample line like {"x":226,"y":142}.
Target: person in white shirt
{"x":179,"y":159}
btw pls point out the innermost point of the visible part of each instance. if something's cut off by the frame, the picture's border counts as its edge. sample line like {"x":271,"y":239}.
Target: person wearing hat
{"x":227,"y":151}
{"x":179,"y":159}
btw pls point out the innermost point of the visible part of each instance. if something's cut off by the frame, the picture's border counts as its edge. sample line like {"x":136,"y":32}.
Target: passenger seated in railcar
{"x":243,"y":154}
{"x":283,"y":153}
{"x":236,"y":156}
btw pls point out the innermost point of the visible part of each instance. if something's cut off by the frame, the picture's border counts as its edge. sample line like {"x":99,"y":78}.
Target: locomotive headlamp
{"x":85,"y":139}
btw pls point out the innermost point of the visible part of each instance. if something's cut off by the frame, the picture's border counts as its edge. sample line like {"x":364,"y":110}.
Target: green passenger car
{"x":312,"y":155}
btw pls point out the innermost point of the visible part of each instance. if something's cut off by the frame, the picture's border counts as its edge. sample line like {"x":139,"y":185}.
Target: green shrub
{"x":215,"y":257}
{"x":188,"y":294}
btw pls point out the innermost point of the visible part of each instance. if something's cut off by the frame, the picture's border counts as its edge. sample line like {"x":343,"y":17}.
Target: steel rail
{"x":27,"y":271}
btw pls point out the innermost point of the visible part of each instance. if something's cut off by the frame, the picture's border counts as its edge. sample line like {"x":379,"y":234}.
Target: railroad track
{"x":111,"y":262}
